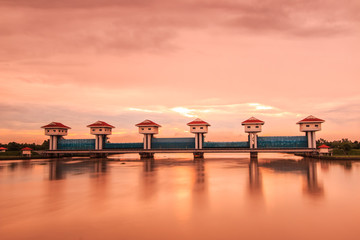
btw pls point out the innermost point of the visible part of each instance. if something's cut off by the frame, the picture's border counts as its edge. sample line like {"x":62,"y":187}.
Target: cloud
{"x":33,"y":29}
{"x":224,"y":61}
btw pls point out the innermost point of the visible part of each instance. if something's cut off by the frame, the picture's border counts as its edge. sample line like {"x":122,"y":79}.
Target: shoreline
{"x":329,"y":158}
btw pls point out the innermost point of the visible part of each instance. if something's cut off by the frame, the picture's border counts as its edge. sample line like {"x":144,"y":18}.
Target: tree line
{"x":14,"y":146}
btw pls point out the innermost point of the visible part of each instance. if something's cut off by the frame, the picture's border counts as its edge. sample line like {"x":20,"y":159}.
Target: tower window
{"x":93,"y":129}
{"x":149,"y":128}
{"x":201,"y":128}
{"x":142,"y":128}
{"x":257,"y":126}
{"x":54,"y":130}
{"x":307,"y":125}
{"x":248,"y":126}
{"x":194,"y":127}
{"x":48,"y":130}
{"x":316,"y":125}
{"x":100,"y":129}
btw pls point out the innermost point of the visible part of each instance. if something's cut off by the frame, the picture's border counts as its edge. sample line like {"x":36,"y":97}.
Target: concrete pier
{"x":253,"y":156}
{"x":198,"y":155}
{"x":146,"y":155}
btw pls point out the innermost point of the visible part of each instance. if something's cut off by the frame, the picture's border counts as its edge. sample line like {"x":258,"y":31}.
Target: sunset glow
{"x":77,"y":62}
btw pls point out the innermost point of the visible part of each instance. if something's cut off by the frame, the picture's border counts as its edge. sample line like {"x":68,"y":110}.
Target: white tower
{"x":199,"y":127}
{"x":310,"y":125}
{"x":100,"y":129}
{"x":252,"y":126}
{"x":148,"y":128}
{"x":55,"y":130}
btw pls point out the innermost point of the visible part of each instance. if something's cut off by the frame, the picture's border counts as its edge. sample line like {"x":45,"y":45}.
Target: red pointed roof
{"x":26,"y":149}
{"x":311,"y":119}
{"x":56,"y":125}
{"x":100,"y":124}
{"x":147,"y":123}
{"x":324,"y":146}
{"x":3,"y":148}
{"x":252,"y":120}
{"x":198,"y":122}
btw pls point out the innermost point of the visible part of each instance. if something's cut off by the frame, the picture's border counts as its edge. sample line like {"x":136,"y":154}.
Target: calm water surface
{"x":222,"y":197}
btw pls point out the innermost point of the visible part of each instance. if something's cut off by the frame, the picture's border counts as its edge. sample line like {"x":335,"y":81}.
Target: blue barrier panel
{"x":282,"y":142}
{"x":226,"y":145}
{"x":173,"y":143}
{"x":76,"y":144}
{"x":123,"y":145}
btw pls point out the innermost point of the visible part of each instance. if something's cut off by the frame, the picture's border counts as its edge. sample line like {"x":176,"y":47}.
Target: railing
{"x":226,"y":144}
{"x":76,"y":144}
{"x":282,"y":142}
{"x":173,"y":143}
{"x":123,"y":145}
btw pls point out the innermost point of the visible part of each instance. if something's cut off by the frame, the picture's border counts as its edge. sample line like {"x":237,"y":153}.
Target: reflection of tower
{"x":149,"y":179}
{"x":100,"y":166}
{"x":313,"y":186}
{"x":310,"y":125}
{"x":200,"y":177}
{"x":98,"y":183}
{"x":200,"y":185}
{"x":252,"y":126}
{"x":56,"y":171}
{"x":55,"y":130}
{"x":255,"y":184}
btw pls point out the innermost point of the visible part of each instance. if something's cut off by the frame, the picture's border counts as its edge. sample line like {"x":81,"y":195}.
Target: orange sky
{"x":124,"y":61}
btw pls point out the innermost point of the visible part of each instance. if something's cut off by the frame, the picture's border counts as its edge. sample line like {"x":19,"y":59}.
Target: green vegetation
{"x":14,"y":146}
{"x":343,"y":147}
{"x":14,"y":150}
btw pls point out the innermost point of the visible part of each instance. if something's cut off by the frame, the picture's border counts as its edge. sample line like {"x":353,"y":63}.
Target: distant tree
{"x":346,"y":145}
{"x":13,"y":146}
{"x":321,"y":141}
{"x":356,"y":145}
{"x":45,"y":145}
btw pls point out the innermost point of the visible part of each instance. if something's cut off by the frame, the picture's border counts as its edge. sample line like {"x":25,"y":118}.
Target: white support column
{"x":308,"y":134}
{"x":145,"y":141}
{"x":196,"y":141}
{"x":96,"y":142}
{"x":55,"y":143}
{"x":51,"y":143}
{"x":252,"y":139}
{"x":101,"y":141}
{"x":200,"y":140}
{"x":149,"y":141}
{"x":314,"y":139}
{"x":255,"y":140}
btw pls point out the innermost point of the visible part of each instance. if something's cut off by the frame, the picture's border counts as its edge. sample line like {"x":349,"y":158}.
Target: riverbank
{"x":339,"y":157}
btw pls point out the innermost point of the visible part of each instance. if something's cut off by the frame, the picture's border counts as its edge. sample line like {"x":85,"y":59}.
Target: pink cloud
{"x":81,"y":61}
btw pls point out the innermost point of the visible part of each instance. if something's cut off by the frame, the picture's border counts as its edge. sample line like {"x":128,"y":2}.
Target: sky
{"x":224,"y":61}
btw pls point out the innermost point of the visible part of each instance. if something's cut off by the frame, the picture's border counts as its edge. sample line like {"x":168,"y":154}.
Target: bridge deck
{"x":212,"y":150}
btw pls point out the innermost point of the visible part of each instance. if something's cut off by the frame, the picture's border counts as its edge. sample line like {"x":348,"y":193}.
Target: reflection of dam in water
{"x":306,"y":167}
{"x":60,"y":169}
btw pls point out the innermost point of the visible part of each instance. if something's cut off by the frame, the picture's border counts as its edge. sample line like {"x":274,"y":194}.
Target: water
{"x":223,"y":197}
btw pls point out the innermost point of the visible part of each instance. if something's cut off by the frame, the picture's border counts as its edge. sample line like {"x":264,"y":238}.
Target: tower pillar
{"x":51,"y":143}
{"x":55,"y":140}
